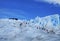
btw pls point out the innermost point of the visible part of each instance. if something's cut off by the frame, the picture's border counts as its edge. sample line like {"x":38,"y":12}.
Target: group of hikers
{"x":37,"y":27}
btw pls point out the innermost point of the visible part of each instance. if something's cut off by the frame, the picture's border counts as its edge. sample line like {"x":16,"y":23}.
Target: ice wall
{"x":38,"y":29}
{"x":52,"y":21}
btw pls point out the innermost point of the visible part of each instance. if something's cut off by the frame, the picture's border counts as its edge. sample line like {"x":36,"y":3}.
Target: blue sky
{"x":27,"y":9}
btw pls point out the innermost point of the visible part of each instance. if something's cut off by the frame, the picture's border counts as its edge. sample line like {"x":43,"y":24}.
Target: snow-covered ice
{"x":38,"y":29}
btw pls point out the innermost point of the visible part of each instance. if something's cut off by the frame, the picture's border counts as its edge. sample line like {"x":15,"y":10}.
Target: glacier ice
{"x":38,"y":29}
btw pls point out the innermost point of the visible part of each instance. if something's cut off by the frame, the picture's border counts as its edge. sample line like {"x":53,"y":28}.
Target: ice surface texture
{"x":38,"y":29}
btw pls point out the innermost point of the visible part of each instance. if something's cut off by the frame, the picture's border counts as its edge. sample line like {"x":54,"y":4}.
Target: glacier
{"x":39,"y":29}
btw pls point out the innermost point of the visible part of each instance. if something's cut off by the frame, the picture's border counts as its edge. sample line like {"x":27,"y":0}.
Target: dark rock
{"x":13,"y":18}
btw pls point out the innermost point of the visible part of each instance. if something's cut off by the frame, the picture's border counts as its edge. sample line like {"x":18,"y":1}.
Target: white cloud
{"x":51,"y":1}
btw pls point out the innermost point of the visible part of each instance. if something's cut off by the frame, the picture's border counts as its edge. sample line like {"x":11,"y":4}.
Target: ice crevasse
{"x":39,"y":29}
